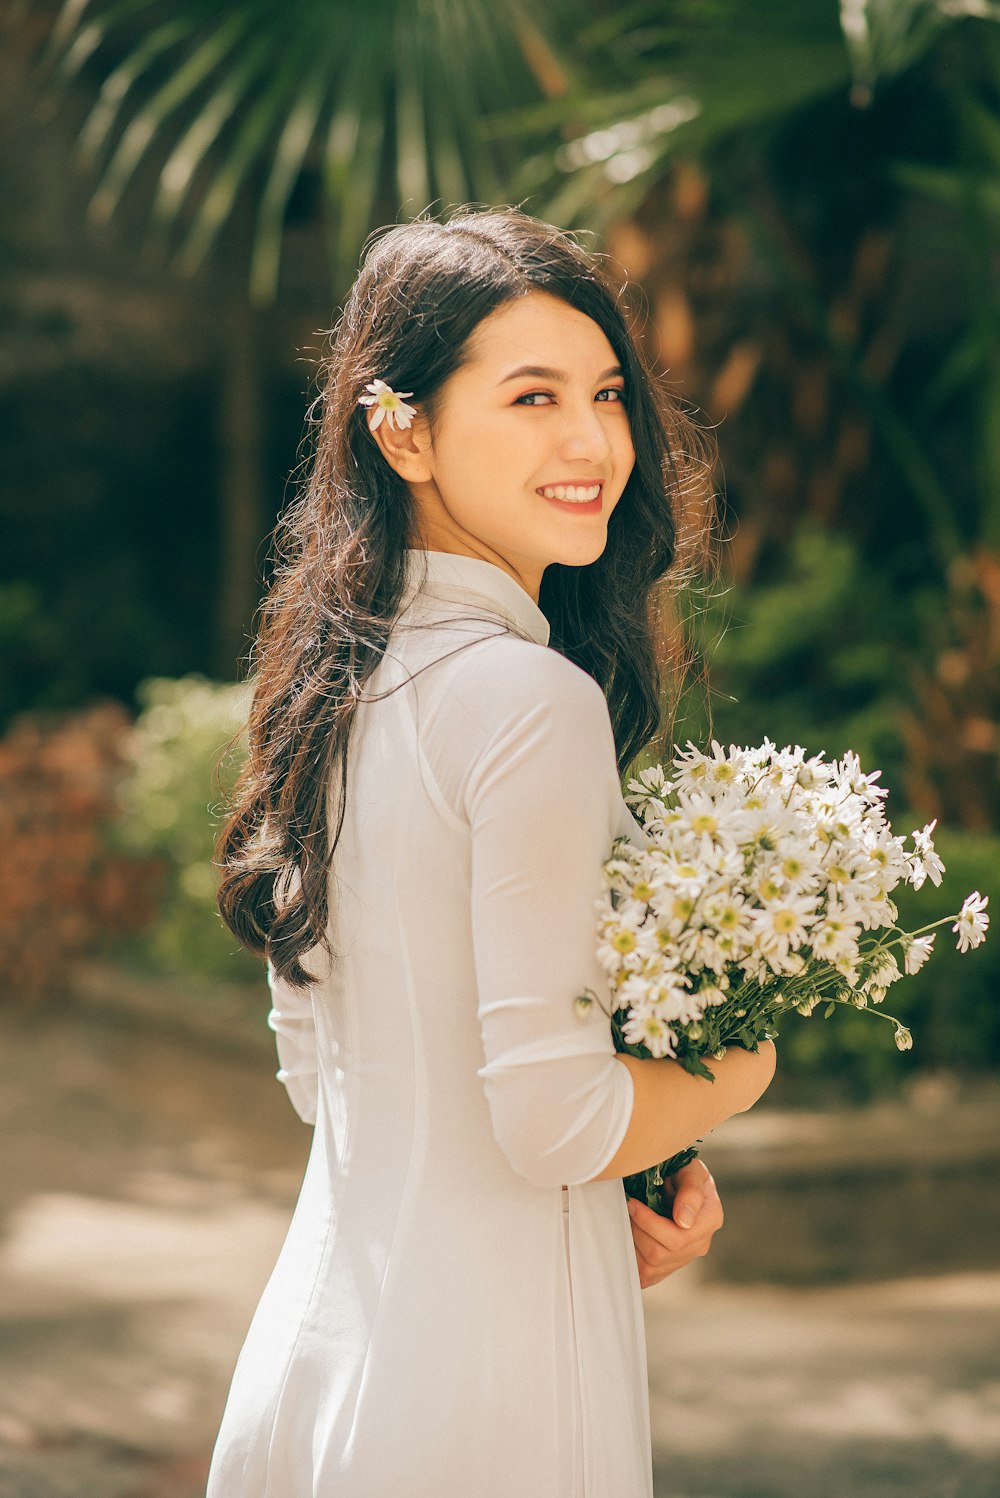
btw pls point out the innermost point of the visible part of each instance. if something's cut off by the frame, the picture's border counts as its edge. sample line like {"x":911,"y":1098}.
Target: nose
{"x":584,"y":437}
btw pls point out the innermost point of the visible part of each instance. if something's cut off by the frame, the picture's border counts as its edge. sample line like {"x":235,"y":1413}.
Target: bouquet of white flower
{"x":764,"y":890}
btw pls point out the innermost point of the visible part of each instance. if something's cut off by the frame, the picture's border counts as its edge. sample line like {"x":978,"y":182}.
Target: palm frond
{"x":144,"y":127}
{"x":243,"y":97}
{"x":655,"y":81}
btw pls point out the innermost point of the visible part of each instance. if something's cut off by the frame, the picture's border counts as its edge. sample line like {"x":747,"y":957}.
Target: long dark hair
{"x":340,"y":551}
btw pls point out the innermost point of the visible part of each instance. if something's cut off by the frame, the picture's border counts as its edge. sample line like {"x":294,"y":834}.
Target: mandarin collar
{"x":452,"y":578}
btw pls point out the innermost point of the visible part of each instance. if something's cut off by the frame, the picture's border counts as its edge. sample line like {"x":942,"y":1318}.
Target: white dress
{"x":446,"y":1319}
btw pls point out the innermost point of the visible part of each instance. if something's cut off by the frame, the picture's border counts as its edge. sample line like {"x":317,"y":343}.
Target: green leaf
{"x":117,"y":86}
{"x":240,"y":93}
{"x":289,"y":156}
{"x":696,"y":1066}
{"x":218,"y":201}
{"x":201,"y":136}
{"x":950,"y":186}
{"x":146,"y":123}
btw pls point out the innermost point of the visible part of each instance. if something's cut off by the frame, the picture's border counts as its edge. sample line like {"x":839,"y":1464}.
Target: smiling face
{"x":529,"y":449}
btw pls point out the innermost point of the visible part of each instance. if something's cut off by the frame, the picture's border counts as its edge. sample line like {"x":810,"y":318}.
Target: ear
{"x":406,"y":449}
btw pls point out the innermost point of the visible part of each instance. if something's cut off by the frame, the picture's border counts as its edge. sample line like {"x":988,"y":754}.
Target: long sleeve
{"x":543,"y":802}
{"x":291,"y":1018}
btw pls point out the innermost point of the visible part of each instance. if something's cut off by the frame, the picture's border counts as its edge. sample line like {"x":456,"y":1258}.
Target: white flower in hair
{"x":387,"y":404}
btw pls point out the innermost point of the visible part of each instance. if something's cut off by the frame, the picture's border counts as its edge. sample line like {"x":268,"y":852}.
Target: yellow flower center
{"x":623,"y":941}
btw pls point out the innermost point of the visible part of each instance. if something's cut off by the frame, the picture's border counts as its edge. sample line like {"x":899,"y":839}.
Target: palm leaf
{"x":145,"y":126}
{"x":290,"y":151}
{"x":238,"y":99}
{"x":255,"y":132}
{"x":950,"y":186}
{"x":201,"y":135}
{"x":657,"y":80}
{"x":100,"y":125}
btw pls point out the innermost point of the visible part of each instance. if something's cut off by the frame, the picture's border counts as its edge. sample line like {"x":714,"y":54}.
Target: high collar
{"x":452,"y":578}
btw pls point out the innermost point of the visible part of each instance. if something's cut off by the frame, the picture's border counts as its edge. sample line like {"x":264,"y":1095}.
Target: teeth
{"x":574,"y":493}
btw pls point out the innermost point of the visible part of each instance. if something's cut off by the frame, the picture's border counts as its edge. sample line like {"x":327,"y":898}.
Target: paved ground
{"x":149,"y":1170}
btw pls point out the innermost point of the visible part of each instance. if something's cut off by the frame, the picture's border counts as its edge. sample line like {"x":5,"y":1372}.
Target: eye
{"x":534,"y":397}
{"x":614,"y":395}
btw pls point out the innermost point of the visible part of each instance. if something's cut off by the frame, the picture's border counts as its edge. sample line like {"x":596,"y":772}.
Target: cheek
{"x":474,"y":448}
{"x":499,"y":456}
{"x":625,"y":453}
{"x":627,"y":434}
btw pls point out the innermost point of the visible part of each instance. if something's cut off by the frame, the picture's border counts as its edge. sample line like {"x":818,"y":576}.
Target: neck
{"x":453,"y":539}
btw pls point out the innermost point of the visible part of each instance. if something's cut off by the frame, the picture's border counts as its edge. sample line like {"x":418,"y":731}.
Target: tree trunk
{"x":242,"y":511}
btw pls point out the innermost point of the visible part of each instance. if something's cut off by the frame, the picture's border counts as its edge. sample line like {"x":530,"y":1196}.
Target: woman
{"x":455,"y":661}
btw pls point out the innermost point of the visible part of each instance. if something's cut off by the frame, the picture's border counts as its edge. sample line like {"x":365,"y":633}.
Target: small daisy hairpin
{"x":387,"y":404}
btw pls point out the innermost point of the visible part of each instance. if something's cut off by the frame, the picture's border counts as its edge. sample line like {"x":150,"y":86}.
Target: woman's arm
{"x":291,"y":1019}
{"x":671,"y":1108}
{"x":525,"y":754}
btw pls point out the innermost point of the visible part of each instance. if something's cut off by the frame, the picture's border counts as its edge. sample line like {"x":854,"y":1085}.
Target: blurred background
{"x":805,"y":196}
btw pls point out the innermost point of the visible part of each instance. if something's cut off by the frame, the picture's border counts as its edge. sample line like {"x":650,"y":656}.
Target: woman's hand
{"x":662,"y":1244}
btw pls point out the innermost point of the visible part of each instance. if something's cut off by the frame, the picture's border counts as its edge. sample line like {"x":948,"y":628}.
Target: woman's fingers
{"x":661,"y":1245}
{"x":690,"y":1187}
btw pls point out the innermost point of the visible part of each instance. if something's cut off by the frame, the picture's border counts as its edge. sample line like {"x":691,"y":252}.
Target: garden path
{"x":151,"y":1164}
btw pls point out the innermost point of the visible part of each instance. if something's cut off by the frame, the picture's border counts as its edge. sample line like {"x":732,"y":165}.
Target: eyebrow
{"x":541,"y":372}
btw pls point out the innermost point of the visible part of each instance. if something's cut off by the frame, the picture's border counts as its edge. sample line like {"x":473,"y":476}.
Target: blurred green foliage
{"x":819,"y":654}
{"x":809,"y":652}
{"x":28,"y":645}
{"x":186,"y":750}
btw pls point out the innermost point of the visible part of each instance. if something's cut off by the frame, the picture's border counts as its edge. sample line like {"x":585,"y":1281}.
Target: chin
{"x":581,"y":553}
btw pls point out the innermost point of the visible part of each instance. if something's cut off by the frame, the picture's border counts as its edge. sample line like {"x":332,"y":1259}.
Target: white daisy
{"x":783,"y":925}
{"x":924,"y":862}
{"x":878,"y":982}
{"x":862,"y":786}
{"x":917,"y":952}
{"x":835,"y":936}
{"x":644,"y":1027}
{"x":973,"y":922}
{"x":389,"y":405}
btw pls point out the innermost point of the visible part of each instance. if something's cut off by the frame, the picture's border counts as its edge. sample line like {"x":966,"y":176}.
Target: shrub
{"x":66,"y":888}
{"x":185,"y":750}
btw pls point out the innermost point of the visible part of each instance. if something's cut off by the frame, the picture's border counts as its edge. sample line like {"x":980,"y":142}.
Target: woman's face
{"x":530,"y":447}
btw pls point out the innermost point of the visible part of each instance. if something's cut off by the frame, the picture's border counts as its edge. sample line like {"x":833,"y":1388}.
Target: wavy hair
{"x":340,"y":553}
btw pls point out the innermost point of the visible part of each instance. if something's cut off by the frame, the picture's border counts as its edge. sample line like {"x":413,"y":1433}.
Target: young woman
{"x":456,"y":661}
